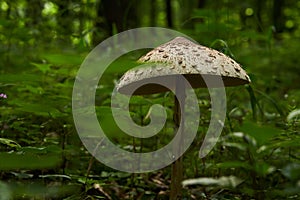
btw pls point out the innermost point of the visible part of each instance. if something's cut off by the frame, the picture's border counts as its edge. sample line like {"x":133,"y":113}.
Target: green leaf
{"x":289,"y":142}
{"x":43,"y":67}
{"x":41,"y":150}
{"x":262,"y":134}
{"x":64,"y":58}
{"x":239,"y":146}
{"x":37,"y":190}
{"x":121,"y":65}
{"x":18,"y":78}
{"x":56,"y":176}
{"x":252,"y":100}
{"x":294,"y":115}
{"x":234,"y":164}
{"x":245,"y":137}
{"x":5,"y":191}
{"x":230,"y":181}
{"x":263,"y":169}
{"x":9,"y":143}
{"x":292,"y":171}
{"x":16,"y":161}
{"x":272,"y":101}
{"x":139,"y":100}
{"x":36,"y":108}
{"x":108,"y":123}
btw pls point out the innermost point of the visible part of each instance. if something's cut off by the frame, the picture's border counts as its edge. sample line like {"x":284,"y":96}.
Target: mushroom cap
{"x":177,"y":57}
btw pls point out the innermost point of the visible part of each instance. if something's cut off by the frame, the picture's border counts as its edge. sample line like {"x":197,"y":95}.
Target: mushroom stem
{"x":177,"y":166}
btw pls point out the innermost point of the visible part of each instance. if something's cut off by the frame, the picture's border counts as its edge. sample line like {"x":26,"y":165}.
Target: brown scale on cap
{"x":181,"y":56}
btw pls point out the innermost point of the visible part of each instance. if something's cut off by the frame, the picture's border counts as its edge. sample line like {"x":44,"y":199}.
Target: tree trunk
{"x":118,"y":14}
{"x":33,"y":12}
{"x":169,"y":14}
{"x":185,"y":13}
{"x":153,"y":13}
{"x":64,"y":20}
{"x":258,"y":9}
{"x":201,"y":3}
{"x":277,"y":15}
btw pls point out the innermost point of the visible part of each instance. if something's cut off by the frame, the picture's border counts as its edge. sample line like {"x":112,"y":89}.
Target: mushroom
{"x":176,"y":59}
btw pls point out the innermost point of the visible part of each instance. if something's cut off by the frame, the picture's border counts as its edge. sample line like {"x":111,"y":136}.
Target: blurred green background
{"x":43,"y":43}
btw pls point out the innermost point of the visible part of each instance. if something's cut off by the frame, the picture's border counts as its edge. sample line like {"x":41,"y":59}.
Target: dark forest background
{"x":43,"y":43}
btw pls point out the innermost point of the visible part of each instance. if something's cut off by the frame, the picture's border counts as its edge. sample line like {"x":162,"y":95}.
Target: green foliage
{"x":42,"y":46}
{"x":261,"y":134}
{"x":222,"y":182}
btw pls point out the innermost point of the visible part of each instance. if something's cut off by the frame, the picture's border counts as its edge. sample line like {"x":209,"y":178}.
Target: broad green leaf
{"x":55,"y":176}
{"x":294,"y":115}
{"x":33,"y":90}
{"x":230,"y":181}
{"x":41,"y":150}
{"x":121,"y":66}
{"x":43,"y":67}
{"x":63,"y":58}
{"x":5,"y":192}
{"x":108,"y":123}
{"x":285,"y":142}
{"x":139,"y":100}
{"x":239,"y":146}
{"x":18,"y":78}
{"x":14,"y":161}
{"x":253,"y":101}
{"x":272,"y":101}
{"x":292,"y":171}
{"x":261,"y":133}
{"x":9,"y":143}
{"x":38,"y":109}
{"x":22,"y":175}
{"x":234,"y":164}
{"x":250,"y":140}
{"x":38,"y":190}
{"x":263,"y":169}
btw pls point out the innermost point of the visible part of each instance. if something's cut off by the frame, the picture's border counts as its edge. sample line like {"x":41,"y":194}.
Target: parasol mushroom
{"x":194,"y":62}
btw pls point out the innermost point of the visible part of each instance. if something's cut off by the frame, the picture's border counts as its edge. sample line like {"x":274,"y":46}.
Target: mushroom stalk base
{"x":177,"y":166}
